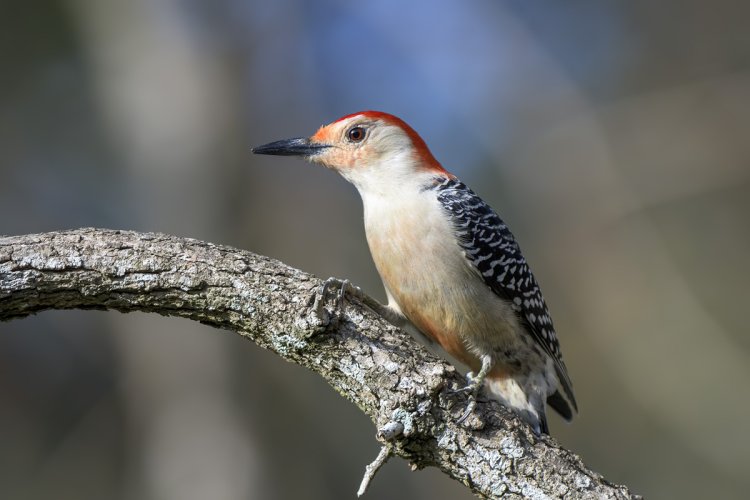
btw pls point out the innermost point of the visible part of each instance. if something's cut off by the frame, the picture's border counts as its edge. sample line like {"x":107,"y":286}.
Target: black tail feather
{"x":560,"y":405}
{"x":543,"y":427}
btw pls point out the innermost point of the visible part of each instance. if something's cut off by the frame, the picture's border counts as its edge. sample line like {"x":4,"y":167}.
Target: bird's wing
{"x":494,"y":253}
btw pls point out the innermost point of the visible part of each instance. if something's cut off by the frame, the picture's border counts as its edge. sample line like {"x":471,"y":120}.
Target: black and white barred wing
{"x":492,"y":249}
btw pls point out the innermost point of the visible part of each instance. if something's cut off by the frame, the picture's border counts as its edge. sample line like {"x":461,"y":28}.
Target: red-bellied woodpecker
{"x":449,"y":264}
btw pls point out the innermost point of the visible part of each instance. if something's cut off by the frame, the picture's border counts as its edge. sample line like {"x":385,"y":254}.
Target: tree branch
{"x":404,"y":389}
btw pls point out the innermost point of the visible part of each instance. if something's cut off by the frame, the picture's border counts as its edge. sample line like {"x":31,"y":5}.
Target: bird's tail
{"x":562,"y":400}
{"x":526,"y":404}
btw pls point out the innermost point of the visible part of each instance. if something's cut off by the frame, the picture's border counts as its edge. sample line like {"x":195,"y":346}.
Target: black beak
{"x":300,"y":146}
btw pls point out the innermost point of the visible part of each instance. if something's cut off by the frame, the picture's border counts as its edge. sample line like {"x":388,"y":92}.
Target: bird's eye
{"x":356,"y":134}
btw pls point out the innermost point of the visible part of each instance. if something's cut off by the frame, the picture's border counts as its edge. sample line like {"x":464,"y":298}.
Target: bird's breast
{"x":425,"y":272}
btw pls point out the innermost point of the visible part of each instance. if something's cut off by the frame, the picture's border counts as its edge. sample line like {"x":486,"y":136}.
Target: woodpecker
{"x":449,"y":264}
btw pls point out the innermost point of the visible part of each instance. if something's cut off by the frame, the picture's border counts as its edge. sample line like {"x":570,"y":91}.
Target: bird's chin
{"x":319,"y":159}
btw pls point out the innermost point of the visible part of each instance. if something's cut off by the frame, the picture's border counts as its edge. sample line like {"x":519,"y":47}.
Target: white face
{"x":359,"y":143}
{"x":377,"y":152}
{"x":373,"y":152}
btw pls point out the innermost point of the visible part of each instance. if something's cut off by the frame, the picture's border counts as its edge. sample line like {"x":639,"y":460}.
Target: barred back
{"x":493,"y":251}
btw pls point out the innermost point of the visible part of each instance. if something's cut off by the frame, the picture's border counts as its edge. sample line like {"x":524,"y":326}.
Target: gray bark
{"x":404,"y":389}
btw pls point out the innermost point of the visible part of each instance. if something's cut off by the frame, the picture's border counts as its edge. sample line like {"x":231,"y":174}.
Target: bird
{"x":450,"y":266}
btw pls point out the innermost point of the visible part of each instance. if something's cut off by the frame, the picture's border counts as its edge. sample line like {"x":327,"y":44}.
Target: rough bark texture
{"x":404,"y":389}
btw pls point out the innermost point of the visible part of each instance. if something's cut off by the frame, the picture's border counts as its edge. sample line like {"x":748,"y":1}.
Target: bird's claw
{"x":344,"y":287}
{"x":469,"y":409}
{"x":473,"y":386}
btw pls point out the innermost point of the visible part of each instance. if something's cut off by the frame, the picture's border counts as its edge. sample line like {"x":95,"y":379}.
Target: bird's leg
{"x":346,"y":287}
{"x":475,"y":385}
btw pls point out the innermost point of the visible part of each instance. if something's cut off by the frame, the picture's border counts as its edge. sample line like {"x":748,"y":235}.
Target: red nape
{"x":423,"y":152}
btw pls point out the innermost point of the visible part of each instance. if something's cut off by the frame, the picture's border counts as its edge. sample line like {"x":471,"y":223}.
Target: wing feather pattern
{"x":493,"y":251}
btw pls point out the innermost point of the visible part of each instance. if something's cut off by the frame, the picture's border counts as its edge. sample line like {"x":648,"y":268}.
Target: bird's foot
{"x":472,"y":388}
{"x":474,"y":385}
{"x":342,"y":287}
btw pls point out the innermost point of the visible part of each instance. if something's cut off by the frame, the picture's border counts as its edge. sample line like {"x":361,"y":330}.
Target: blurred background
{"x":611,"y":136}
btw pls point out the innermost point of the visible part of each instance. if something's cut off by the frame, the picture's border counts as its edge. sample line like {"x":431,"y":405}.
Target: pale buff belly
{"x":435,"y":287}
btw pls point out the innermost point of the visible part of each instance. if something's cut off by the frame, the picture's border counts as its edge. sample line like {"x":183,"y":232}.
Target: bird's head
{"x":370,"y":149}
